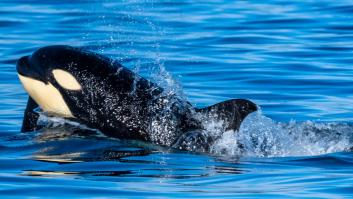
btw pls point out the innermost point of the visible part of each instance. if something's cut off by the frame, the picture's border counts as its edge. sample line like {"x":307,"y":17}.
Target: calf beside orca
{"x":99,"y":92}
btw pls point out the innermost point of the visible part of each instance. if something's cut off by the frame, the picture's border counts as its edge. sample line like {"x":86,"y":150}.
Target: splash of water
{"x":260,"y":136}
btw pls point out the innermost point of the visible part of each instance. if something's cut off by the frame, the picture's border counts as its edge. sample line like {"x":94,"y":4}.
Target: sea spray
{"x":260,"y":136}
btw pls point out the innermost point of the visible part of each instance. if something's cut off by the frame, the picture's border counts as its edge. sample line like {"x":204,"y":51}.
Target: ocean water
{"x":292,"y":58}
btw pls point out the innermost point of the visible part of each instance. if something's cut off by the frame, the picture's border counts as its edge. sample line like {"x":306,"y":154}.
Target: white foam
{"x":260,"y":136}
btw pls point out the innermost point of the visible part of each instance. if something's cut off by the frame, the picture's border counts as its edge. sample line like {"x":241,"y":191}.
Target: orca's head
{"x":62,"y":79}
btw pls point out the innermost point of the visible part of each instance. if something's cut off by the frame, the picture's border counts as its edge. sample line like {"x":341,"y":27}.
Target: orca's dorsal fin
{"x":232,"y":112}
{"x":30,"y":117}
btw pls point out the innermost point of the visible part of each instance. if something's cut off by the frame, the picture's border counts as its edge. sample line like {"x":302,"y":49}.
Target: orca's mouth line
{"x":23,"y":66}
{"x":26,"y":70}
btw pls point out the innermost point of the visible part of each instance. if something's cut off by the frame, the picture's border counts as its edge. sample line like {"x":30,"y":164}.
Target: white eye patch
{"x":66,"y":80}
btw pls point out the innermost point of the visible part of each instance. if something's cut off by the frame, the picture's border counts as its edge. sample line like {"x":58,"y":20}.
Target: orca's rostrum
{"x":83,"y":86}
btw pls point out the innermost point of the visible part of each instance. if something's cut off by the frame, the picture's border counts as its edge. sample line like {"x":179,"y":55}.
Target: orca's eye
{"x":66,"y":80}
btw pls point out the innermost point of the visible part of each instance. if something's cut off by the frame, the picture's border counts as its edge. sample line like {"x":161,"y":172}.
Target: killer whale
{"x":99,"y":92}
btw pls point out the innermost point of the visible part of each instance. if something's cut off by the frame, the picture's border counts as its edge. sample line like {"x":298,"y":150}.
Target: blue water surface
{"x":293,"y":58}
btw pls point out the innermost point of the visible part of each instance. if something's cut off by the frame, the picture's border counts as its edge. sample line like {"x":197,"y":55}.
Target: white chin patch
{"x":46,"y":96}
{"x":66,"y":80}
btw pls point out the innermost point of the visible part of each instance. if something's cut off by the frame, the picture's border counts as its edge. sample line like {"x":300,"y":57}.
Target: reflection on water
{"x":78,"y":155}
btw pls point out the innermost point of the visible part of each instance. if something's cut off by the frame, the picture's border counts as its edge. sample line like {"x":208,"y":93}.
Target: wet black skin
{"x":117,"y":101}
